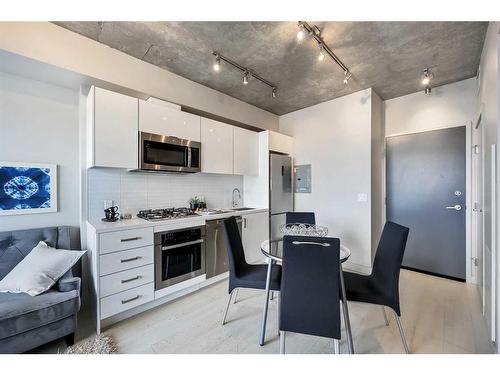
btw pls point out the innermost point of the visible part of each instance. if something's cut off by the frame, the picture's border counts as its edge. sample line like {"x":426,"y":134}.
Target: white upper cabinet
{"x":216,"y":147}
{"x":112,"y":129}
{"x":246,"y":152}
{"x":164,"y":118}
{"x":280,"y":143}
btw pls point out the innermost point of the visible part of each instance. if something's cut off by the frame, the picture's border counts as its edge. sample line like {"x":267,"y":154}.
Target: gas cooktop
{"x":166,"y":213}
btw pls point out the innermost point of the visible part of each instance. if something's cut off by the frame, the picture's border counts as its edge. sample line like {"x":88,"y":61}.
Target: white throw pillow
{"x":39,"y":270}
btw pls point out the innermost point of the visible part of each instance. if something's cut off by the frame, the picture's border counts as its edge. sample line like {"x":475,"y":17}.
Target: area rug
{"x":100,"y":344}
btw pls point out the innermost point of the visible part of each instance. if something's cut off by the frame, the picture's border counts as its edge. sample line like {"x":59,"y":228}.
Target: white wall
{"x":52,"y":44}
{"x":335,"y":138}
{"x":39,"y":123}
{"x":488,"y":107}
{"x":138,"y":191}
{"x":447,"y":106}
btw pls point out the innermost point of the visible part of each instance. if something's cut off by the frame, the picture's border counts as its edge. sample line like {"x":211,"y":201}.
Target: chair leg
{"x":282,"y":342}
{"x":235,"y":296}
{"x":279,"y":312}
{"x":266,"y":304}
{"x":401,"y":332}
{"x":336,"y":346}
{"x":385,"y":316}
{"x":227,"y":307}
{"x":70,"y":339}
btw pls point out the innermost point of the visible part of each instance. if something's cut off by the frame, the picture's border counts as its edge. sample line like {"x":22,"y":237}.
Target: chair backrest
{"x":300,"y":217}
{"x":388,"y":259}
{"x":235,"y":251}
{"x":15,"y":245}
{"x":310,"y":300}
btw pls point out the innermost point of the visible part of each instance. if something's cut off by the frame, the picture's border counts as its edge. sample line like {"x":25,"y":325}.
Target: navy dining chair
{"x":310,"y":288}
{"x":300,"y":217}
{"x":381,"y":287}
{"x":242,"y":274}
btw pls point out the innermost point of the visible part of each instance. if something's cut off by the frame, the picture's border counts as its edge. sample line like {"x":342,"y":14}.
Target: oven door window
{"x":180,"y":261}
{"x":164,"y":154}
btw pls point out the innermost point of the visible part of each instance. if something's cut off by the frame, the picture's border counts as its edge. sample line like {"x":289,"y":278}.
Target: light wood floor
{"x":439,"y":316}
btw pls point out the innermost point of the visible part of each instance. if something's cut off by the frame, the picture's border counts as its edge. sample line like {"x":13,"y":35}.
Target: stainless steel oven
{"x":179,"y":255}
{"x":168,"y":154}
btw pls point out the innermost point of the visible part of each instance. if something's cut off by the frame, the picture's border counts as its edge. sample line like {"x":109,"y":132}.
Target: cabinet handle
{"x":124,"y":301}
{"x":131,"y":279}
{"x":245,"y":223}
{"x":129,"y":259}
{"x":130,"y":239}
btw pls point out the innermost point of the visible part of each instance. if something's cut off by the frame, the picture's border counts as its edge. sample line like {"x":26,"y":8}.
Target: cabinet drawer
{"x":125,"y":239}
{"x":118,"y":282}
{"x":126,"y":300}
{"x":125,"y":260}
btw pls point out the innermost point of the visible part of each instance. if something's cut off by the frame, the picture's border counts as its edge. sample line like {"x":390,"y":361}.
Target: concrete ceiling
{"x":387,"y":56}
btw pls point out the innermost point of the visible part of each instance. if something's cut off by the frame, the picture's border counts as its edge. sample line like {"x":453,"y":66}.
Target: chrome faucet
{"x":236,"y":201}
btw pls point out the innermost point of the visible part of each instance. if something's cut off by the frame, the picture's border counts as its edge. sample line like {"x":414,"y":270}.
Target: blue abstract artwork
{"x":27,"y":188}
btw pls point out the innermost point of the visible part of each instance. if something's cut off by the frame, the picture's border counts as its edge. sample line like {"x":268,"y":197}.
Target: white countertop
{"x":102,"y":226}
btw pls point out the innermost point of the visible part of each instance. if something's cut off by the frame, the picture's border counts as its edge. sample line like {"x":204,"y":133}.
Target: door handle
{"x":456,"y":207}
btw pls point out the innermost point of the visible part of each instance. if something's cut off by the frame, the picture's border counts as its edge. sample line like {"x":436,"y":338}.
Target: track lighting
{"x":427,"y":76}
{"x":315,"y":32}
{"x":217,"y":63}
{"x":246,"y":72}
{"x":427,"y":90}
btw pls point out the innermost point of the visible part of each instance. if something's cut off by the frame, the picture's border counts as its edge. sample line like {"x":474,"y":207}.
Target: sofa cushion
{"x":15,"y":245}
{"x":39,"y":270}
{"x":21,"y":312}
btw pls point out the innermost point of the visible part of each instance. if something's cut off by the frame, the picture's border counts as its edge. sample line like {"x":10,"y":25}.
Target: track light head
{"x":217,"y":63}
{"x":347,"y":77}
{"x":300,"y":33}
{"x":245,"y":78}
{"x":427,"y":90}
{"x":274,"y":93}
{"x":321,"y":55}
{"x":427,"y":76}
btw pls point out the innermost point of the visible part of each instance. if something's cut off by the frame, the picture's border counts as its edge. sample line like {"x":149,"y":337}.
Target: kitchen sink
{"x":242,"y":209}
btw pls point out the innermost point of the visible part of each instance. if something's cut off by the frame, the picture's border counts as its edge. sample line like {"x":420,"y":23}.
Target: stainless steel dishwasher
{"x":216,"y":261}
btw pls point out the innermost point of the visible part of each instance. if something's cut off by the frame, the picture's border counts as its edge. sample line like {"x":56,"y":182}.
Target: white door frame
{"x":470,"y":277}
{"x":476,"y":250}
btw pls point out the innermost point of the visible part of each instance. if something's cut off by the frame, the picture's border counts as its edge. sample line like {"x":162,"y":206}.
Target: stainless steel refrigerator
{"x":280,"y":191}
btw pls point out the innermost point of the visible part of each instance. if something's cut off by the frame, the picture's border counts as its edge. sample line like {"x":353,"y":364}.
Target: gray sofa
{"x":27,"y":322}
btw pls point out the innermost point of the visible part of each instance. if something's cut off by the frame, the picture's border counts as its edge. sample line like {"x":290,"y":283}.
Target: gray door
{"x":426,"y":192}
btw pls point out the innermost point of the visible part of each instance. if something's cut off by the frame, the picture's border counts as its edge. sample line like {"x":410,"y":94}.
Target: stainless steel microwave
{"x":168,"y":154}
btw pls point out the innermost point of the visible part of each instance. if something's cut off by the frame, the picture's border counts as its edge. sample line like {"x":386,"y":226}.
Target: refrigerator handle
{"x":282,"y":170}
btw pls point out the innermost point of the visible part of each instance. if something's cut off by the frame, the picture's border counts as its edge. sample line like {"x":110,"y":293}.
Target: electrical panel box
{"x":303,"y":178}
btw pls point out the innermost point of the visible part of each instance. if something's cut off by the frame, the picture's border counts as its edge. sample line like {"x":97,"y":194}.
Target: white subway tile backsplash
{"x":132,"y":192}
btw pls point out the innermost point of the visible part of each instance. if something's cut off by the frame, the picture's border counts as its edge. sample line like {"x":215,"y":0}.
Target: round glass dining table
{"x":274,"y":257}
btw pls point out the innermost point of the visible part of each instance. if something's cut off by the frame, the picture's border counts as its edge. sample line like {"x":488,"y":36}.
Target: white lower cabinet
{"x":129,"y":279}
{"x":126,"y":300}
{"x":254,"y":231}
